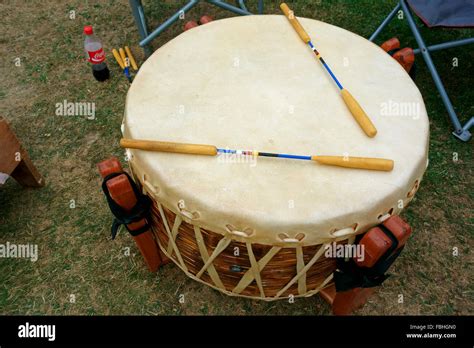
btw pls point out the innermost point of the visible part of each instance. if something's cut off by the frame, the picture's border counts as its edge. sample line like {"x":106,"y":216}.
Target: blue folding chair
{"x":452,"y":13}
{"x":140,"y":19}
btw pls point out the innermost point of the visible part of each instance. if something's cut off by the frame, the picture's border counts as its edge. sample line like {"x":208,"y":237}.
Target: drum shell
{"x":232,"y":264}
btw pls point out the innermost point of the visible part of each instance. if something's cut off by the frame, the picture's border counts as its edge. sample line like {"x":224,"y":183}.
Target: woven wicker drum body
{"x":259,"y":227}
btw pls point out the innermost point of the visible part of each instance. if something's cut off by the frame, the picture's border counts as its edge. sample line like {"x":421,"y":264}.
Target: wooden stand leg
{"x":346,"y":302}
{"x":122,"y":193}
{"x":377,"y":244}
{"x":164,"y":259}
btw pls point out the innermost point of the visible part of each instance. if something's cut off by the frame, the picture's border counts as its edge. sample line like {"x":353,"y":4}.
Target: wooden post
{"x":346,"y":302}
{"x":122,"y":193}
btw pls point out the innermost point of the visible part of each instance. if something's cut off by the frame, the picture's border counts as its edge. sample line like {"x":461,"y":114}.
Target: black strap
{"x":140,"y":211}
{"x":349,"y":275}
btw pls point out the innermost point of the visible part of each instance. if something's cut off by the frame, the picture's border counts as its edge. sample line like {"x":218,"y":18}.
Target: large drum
{"x":257,"y":227}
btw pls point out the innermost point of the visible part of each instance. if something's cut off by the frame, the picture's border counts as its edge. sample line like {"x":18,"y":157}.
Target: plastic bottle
{"x":95,"y":54}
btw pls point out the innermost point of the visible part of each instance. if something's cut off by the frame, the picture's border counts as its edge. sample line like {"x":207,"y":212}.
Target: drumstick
{"x":132,"y":60}
{"x":118,"y":58}
{"x":126,"y":64}
{"x":357,"y":112}
{"x":211,"y":150}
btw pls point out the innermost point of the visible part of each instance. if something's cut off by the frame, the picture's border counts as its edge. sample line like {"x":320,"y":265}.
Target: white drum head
{"x":250,"y":83}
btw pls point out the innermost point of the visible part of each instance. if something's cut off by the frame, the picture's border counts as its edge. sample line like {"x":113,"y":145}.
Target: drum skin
{"x":250,"y":83}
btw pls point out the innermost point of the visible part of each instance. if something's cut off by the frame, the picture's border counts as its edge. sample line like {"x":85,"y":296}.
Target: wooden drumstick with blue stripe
{"x":126,"y":63}
{"x":357,"y":112}
{"x":210,"y":150}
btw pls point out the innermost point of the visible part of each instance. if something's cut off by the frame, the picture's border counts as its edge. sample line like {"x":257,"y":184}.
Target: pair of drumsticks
{"x":341,"y":161}
{"x":125,"y":61}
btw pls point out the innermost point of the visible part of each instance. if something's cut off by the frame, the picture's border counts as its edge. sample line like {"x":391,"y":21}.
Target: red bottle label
{"x":96,"y":57}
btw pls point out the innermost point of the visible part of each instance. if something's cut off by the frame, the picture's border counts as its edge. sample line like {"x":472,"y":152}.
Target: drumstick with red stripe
{"x":357,"y":112}
{"x":210,"y":150}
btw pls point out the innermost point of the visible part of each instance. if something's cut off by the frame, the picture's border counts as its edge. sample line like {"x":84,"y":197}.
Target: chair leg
{"x":228,"y":7}
{"x":242,"y":5}
{"x":445,"y":45}
{"x":138,"y":14}
{"x":168,"y":22}
{"x":465,"y":135}
{"x":140,"y":21}
{"x":385,"y":22}
{"x":459,"y":132}
{"x":260,"y":6}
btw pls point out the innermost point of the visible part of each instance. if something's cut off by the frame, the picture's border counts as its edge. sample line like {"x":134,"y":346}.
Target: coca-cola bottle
{"x":95,"y":55}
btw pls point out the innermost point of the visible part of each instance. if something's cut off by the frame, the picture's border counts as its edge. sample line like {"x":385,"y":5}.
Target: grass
{"x":76,"y":256}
